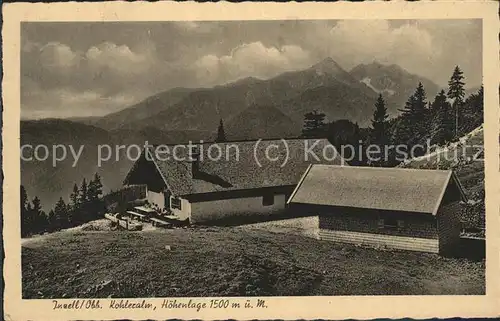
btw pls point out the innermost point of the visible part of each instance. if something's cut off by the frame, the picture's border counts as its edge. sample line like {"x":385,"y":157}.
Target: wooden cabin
{"x":243,"y":182}
{"x":409,"y":209}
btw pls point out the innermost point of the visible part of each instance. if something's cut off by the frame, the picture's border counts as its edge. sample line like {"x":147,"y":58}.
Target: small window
{"x":268,"y":200}
{"x":390,"y":222}
{"x":175,"y":203}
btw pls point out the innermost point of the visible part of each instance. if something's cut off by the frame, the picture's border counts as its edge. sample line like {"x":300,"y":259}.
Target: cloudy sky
{"x":83,"y":69}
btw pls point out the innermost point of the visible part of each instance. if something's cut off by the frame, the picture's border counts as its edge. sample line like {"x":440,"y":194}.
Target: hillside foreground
{"x":231,"y":261}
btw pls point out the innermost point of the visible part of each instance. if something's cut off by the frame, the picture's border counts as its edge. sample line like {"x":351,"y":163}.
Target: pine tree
{"x":94,"y":189}
{"x":379,"y":132}
{"x":402,"y":134}
{"x":456,"y":92}
{"x":51,"y":221}
{"x":24,"y":197}
{"x":413,"y":127}
{"x":314,"y":124}
{"x":343,"y":132}
{"x":221,"y":135}
{"x":421,"y":112}
{"x":81,"y":214}
{"x":472,"y":114}
{"x":83,"y":192}
{"x":94,"y":192}
{"x":442,"y":125}
{"x":74,"y":198}
{"x":39,"y":217}
{"x":74,"y":206}
{"x":26,"y":219}
{"x":60,"y":215}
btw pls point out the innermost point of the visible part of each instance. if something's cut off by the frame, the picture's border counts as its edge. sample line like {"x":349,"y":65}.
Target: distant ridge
{"x":393,"y":82}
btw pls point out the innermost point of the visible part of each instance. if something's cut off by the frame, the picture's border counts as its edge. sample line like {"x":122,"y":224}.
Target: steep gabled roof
{"x":243,"y":165}
{"x":395,"y":189}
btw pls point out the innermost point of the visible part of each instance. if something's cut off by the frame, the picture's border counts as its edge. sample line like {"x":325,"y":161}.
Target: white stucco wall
{"x":215,"y":210}
{"x":155,"y":198}
{"x":158,"y":198}
{"x":185,"y":210}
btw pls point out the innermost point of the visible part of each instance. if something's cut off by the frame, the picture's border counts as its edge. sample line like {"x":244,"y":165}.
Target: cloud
{"x":67,"y":102}
{"x":120,"y":59}
{"x":108,"y":67}
{"x":58,"y":55}
{"x":362,"y":41}
{"x":250,"y":59}
{"x":429,"y":48}
{"x":113,"y":66}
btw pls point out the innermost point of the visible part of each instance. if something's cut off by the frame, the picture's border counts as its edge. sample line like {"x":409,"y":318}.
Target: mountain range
{"x":325,"y":86}
{"x":250,"y":108}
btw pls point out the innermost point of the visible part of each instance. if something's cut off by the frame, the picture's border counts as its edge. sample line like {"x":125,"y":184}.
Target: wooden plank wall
{"x":449,"y":227}
{"x":377,"y":240}
{"x":367,"y":221}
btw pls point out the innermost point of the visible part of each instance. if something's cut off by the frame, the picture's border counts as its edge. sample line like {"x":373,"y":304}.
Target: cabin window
{"x":175,"y":203}
{"x":390,"y":223}
{"x":268,"y":200}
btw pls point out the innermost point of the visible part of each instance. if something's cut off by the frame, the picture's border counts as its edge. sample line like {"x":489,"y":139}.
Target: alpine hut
{"x":409,"y":209}
{"x":216,"y":181}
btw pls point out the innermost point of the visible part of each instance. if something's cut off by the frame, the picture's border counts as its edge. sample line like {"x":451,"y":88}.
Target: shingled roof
{"x":243,"y":166}
{"x":397,"y":189}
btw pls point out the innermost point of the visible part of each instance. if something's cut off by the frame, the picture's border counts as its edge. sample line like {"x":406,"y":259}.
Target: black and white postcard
{"x":250,"y":161}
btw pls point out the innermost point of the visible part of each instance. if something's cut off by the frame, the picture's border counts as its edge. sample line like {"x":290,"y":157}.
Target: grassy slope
{"x":470,"y":172}
{"x":230,"y":262}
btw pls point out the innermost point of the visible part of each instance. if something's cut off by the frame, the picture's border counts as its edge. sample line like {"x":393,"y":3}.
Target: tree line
{"x":443,"y":120}
{"x":85,"y":204}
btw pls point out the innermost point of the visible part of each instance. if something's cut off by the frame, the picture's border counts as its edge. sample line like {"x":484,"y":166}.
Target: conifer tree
{"x":413,"y":127}
{"x":472,"y":112}
{"x":379,"y":134}
{"x":421,"y":112}
{"x":83,"y":192}
{"x":24,"y":198}
{"x":74,"y":206}
{"x":442,"y":125}
{"x":80,"y":215}
{"x":94,"y":190}
{"x":314,"y":124}
{"x":51,"y":221}
{"x":39,"y":217}
{"x":26,"y":219}
{"x":221,"y":135}
{"x":94,"y":193}
{"x":456,"y":92}
{"x":60,"y":215}
{"x":74,"y":198}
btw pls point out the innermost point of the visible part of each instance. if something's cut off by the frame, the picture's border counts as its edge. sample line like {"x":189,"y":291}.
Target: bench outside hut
{"x":409,"y":209}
